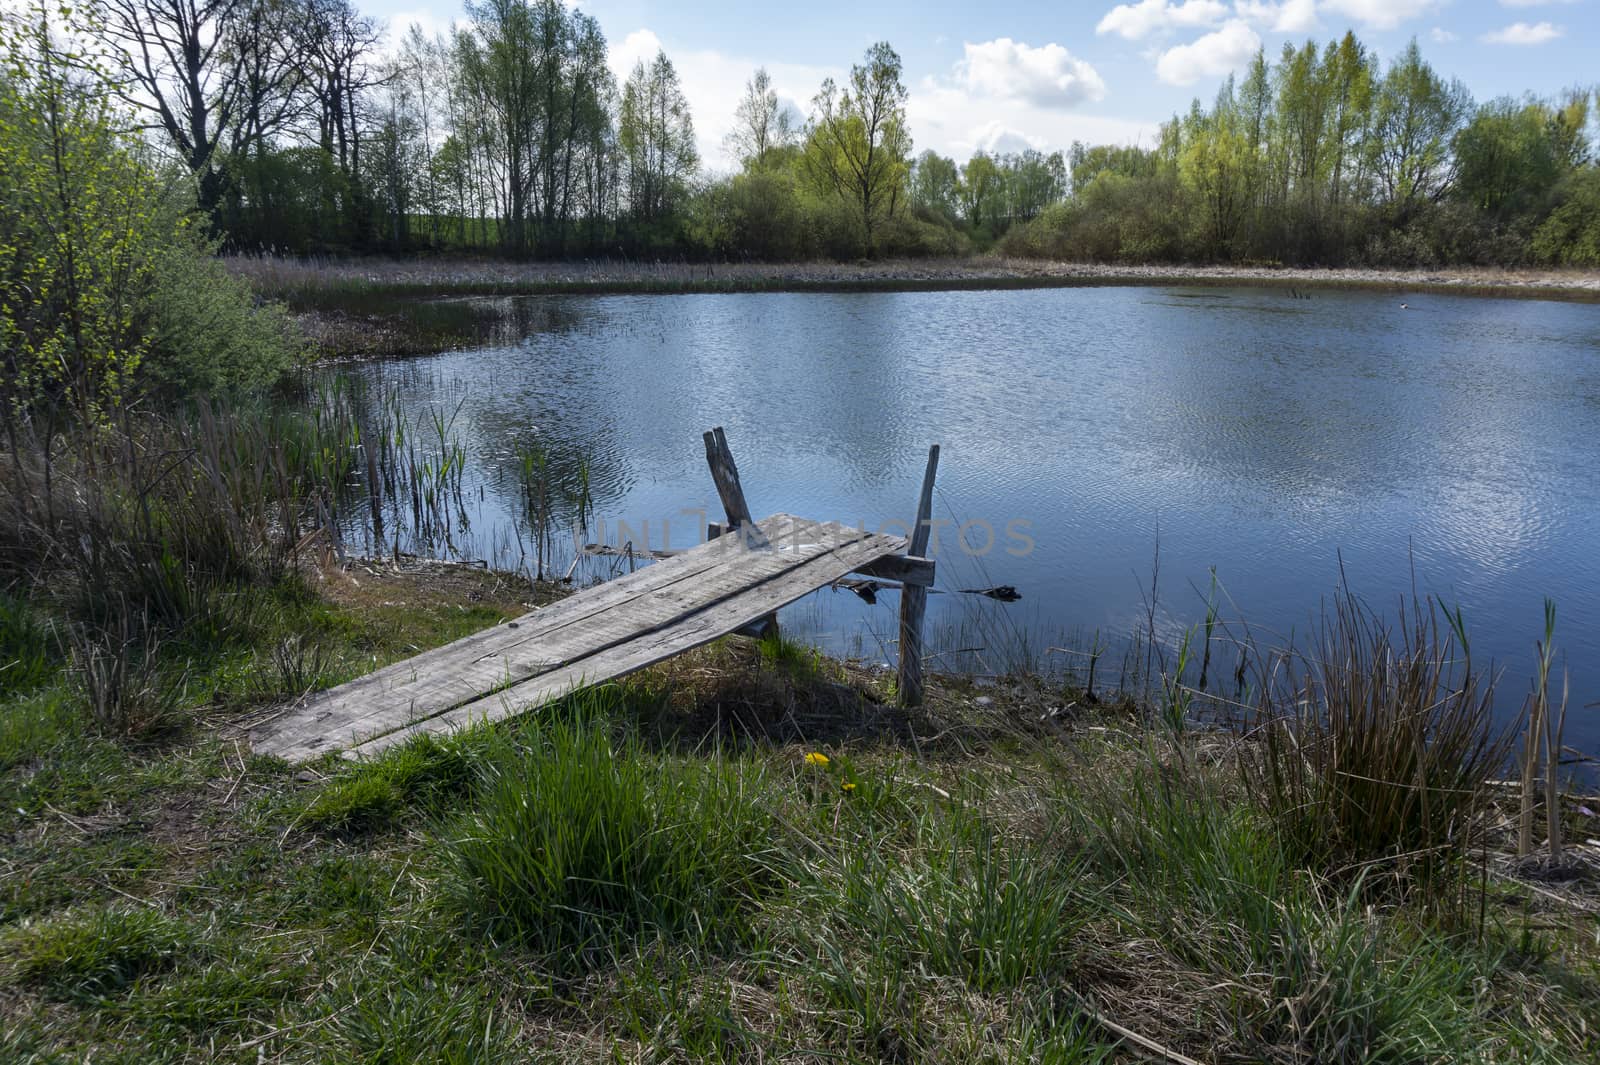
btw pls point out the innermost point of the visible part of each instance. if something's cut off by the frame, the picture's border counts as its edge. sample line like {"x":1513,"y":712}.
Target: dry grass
{"x":290,"y":277}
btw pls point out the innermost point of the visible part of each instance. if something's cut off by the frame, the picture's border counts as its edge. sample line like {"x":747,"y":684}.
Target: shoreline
{"x":301,"y":281}
{"x":357,"y":310}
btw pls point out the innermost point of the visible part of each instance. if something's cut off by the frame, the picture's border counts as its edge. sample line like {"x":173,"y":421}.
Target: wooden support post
{"x":914,"y":598}
{"x":726,"y":476}
{"x":725,"y":473}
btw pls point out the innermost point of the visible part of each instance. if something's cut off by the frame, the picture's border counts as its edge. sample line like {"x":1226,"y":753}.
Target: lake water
{"x":1449,"y":446}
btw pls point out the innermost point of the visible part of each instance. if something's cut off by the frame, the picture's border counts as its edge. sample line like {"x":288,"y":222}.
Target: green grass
{"x":962,"y":904}
{"x":82,"y":956}
{"x":581,"y":838}
{"x":30,"y":647}
{"x":628,"y":876}
{"x":374,"y":795}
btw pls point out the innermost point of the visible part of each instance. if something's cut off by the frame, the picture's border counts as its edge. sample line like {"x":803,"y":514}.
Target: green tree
{"x":1570,"y":236}
{"x":981,"y":190}
{"x":75,"y":227}
{"x":1215,"y":166}
{"x":1512,"y":155}
{"x":108,"y":288}
{"x":934,"y":183}
{"x":1033,"y":181}
{"x":1417,"y":115}
{"x":857,"y":143}
{"x":656,"y":135}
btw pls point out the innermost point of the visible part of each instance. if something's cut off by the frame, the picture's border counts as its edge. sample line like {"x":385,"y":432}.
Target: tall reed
{"x":1376,"y":742}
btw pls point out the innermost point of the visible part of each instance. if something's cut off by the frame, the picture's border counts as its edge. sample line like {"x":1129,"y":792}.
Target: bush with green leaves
{"x":108,"y":286}
{"x":1571,"y":235}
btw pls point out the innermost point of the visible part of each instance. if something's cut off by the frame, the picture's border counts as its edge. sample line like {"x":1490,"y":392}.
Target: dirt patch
{"x":407,"y":582}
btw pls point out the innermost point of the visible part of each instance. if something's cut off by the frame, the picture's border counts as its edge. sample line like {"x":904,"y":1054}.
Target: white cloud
{"x":1005,"y":96}
{"x":997,"y":137}
{"x":1049,"y":76}
{"x":1136,"y":21}
{"x":1216,"y":53}
{"x":1289,"y":16}
{"x":640,"y":46}
{"x":1523,"y":33}
{"x":951,"y":120}
{"x":1381,"y":14}
{"x":1440,"y":35}
{"x":947,"y":114}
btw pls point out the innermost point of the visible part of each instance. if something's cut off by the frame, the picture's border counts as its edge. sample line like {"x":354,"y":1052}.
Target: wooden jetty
{"x":734,"y":582}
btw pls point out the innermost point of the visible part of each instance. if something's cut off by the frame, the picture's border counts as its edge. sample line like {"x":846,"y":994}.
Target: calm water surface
{"x":1450,"y":446}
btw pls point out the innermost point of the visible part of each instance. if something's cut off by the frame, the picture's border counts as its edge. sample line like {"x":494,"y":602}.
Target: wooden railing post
{"x":914,"y":598}
{"x":725,"y":473}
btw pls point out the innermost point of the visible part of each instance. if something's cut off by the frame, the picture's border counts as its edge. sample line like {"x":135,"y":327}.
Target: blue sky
{"x":1002,"y":75}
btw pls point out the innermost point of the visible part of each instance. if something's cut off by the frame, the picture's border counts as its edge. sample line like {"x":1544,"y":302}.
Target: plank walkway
{"x":598,"y":634}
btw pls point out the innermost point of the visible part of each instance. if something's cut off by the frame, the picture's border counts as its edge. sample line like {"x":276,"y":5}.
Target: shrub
{"x":167,"y":522}
{"x":905,"y":234}
{"x":1571,"y":235}
{"x":124,"y":690}
{"x":107,"y":289}
{"x":207,"y":334}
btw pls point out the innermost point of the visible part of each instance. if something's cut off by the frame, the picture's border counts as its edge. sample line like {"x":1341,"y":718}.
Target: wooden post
{"x":725,"y":474}
{"x":914,"y":598}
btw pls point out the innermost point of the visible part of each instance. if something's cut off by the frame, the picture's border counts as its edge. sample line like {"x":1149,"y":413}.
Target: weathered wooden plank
{"x":903,"y":568}
{"x":561,"y":636}
{"x":914,"y":598}
{"x":475,"y":664}
{"x":425,"y":687}
{"x":646,"y":648}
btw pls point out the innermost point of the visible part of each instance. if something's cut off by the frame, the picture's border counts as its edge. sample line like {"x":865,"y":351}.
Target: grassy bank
{"x":666,"y":870}
{"x":745,"y":854}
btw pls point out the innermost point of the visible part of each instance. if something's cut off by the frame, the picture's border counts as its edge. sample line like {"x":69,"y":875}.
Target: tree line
{"x":511,"y":134}
{"x":1329,"y":157}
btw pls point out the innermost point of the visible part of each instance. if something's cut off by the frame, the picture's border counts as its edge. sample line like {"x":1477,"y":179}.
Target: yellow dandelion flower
{"x":817,"y":758}
{"x":848,"y":786}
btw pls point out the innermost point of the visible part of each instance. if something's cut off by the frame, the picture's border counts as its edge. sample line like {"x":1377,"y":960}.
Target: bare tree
{"x":761,"y":122}
{"x":331,"y":49}
{"x":177,"y":62}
